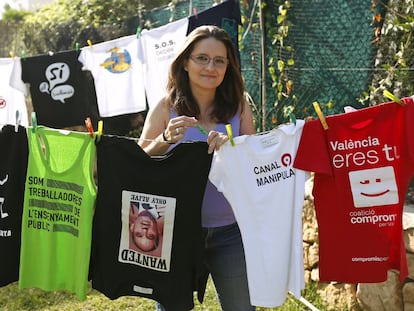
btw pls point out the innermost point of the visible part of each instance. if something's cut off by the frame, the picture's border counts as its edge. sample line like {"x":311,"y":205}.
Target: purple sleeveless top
{"x":216,"y":210}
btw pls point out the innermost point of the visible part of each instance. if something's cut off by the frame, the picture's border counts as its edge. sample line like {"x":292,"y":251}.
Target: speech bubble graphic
{"x":374,"y":187}
{"x":57,"y":73}
{"x":61,"y":92}
{"x":44,"y":87}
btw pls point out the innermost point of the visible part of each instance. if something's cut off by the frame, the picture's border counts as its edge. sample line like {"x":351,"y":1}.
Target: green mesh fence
{"x":333,"y":51}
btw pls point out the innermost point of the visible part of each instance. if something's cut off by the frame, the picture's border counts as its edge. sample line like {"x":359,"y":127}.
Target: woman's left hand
{"x":215,"y":140}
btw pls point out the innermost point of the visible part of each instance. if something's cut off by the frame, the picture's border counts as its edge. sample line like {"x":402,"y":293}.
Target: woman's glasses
{"x":204,"y":60}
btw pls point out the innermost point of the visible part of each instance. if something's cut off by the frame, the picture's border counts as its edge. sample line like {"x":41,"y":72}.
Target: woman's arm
{"x":246,"y":120}
{"x":151,"y":140}
{"x":160,"y":131}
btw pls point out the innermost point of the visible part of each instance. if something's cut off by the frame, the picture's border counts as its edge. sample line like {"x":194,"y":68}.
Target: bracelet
{"x":165,"y":138}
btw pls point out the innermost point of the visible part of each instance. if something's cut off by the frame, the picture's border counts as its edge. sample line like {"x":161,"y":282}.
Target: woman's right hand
{"x":176,"y":128}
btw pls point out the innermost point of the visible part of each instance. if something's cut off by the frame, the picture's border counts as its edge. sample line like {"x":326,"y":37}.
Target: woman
{"x":206,"y":91}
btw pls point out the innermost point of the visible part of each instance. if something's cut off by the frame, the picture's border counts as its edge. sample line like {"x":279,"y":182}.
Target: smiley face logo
{"x":374,"y":187}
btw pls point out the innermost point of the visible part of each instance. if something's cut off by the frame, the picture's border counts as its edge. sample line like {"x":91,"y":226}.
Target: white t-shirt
{"x":267,"y":195}
{"x":159,"y":46}
{"x":118,"y":75}
{"x":12,"y":92}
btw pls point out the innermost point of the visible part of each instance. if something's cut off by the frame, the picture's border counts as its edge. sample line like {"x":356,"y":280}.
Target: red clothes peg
{"x":89,"y":126}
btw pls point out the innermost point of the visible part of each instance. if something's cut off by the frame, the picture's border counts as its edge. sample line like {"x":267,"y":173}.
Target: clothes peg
{"x":320,"y":115}
{"x":11,"y":54}
{"x":203,"y":131}
{"x":289,"y":112}
{"x":195,"y":13}
{"x":23,"y":55}
{"x":16,"y":125}
{"x":77,"y":46}
{"x":100,"y":130}
{"x":394,"y":98}
{"x":230,"y":134}
{"x":89,"y":43}
{"x":292,"y":117}
{"x":138,"y":33}
{"x":34,"y":122}
{"x":89,"y":126}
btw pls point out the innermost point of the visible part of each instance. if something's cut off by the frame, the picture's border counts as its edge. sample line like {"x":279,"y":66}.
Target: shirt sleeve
{"x":313,"y":154}
{"x":409,"y":126}
{"x":16,"y":77}
{"x":85,"y":57}
{"x":217,"y":170}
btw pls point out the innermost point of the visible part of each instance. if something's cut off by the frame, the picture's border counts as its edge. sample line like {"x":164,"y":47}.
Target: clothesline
{"x":344,"y":69}
{"x":136,"y":139}
{"x":303,"y":301}
{"x":308,"y":304}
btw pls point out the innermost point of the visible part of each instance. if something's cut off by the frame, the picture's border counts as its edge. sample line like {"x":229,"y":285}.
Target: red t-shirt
{"x":363,"y":164}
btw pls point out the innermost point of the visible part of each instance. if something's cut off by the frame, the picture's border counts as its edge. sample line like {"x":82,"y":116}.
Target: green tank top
{"x":58,"y":208}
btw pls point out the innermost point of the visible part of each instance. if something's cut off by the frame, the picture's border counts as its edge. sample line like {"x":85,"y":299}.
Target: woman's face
{"x":207,"y":76}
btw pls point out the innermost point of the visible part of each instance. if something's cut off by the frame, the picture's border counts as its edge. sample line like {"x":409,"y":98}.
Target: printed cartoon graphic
{"x":374,"y":187}
{"x":118,"y":62}
{"x":57,"y":74}
{"x":147,"y":230}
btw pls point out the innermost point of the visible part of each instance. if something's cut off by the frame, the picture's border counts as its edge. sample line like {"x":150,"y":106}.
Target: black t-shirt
{"x":225,"y":15}
{"x":171,"y":189}
{"x":13,"y":166}
{"x":63,"y":95}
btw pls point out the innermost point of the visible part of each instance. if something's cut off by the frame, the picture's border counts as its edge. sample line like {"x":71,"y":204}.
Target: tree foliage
{"x":394,"y":66}
{"x":13,"y":15}
{"x":63,"y":23}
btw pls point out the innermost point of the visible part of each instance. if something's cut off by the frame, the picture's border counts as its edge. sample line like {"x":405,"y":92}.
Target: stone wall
{"x":390,"y":295}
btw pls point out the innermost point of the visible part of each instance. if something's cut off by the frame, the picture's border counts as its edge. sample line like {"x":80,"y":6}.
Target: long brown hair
{"x":229,"y":97}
